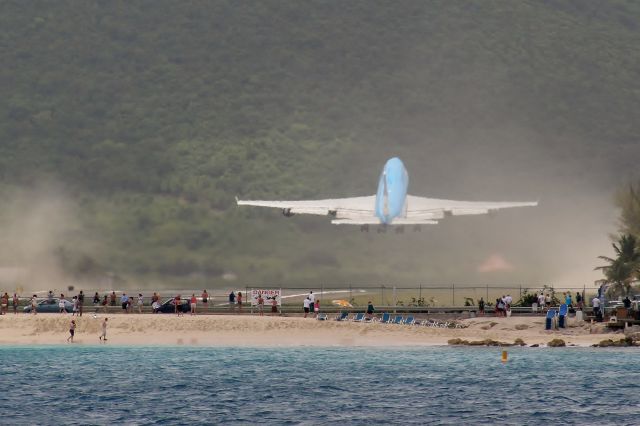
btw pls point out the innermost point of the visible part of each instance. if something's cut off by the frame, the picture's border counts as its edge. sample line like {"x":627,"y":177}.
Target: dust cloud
{"x":42,"y":239}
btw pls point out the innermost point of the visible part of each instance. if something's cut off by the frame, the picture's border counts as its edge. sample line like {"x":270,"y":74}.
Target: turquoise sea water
{"x":440,"y":385}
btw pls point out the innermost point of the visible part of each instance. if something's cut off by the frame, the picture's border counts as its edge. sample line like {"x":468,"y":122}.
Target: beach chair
{"x":359,"y":317}
{"x":429,"y":323}
{"x":551,"y":317}
{"x":409,"y":320}
{"x":397,"y":320}
{"x":343,"y":316}
{"x":562,"y":316}
{"x":386,"y":318}
{"x":322,"y":317}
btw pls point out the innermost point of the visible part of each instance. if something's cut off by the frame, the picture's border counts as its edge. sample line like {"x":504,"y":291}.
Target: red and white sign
{"x":267,"y":295}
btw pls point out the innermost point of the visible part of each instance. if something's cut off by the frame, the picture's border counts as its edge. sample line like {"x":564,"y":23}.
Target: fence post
{"x":420,"y":294}
{"x":395,"y":299}
{"x":350,"y":293}
{"x":487,"y":296}
{"x":520,"y":291}
{"x":453,"y":295}
{"x":382,"y":295}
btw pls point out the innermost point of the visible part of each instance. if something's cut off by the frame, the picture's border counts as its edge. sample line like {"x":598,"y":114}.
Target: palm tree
{"x":622,"y":270}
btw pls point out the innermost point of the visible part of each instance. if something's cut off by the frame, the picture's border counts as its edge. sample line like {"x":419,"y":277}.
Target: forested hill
{"x":131,"y":126}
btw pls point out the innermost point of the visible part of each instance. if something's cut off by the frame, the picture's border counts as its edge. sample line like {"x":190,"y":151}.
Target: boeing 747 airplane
{"x":391,"y":205}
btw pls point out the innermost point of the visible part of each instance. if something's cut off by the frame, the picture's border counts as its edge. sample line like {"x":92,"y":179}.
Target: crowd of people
{"x":543,"y":301}
{"x":131,"y":303}
{"x":4,"y":303}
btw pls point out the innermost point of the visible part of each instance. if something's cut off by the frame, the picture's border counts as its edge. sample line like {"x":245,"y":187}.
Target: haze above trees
{"x":145,"y":120}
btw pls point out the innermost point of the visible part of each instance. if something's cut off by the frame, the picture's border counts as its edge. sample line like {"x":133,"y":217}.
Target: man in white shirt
{"x":595,"y":302}
{"x":541,"y":301}
{"x":306,"y":304}
{"x":508,"y":300}
{"x":312,"y":298}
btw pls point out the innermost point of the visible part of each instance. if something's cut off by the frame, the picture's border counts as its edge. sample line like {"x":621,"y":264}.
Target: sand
{"x":247,"y":330}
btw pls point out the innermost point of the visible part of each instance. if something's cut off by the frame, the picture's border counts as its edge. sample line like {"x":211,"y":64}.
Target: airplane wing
{"x":435,"y":208}
{"x":362,"y":208}
{"x":376,"y":221}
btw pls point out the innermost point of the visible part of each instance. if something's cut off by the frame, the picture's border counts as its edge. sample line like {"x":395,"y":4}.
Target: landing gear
{"x":417,"y":228}
{"x":364,"y":228}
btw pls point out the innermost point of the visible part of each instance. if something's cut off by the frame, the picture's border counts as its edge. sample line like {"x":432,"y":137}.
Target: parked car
{"x":168,"y":307}
{"x":50,"y":305}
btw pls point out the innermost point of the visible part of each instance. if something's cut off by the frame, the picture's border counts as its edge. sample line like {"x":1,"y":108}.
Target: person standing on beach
{"x":316,"y":308}
{"x":205,"y":300}
{"x":240,"y":301}
{"x":96,"y":302}
{"x":72,"y":331}
{"x":541,"y":301}
{"x":194,"y":300}
{"x":579,"y":300}
{"x":568,"y":301}
{"x":547,"y":300}
{"x":312,"y":299}
{"x":103,"y":336}
{"x":113,"y":298}
{"x":5,"y":303}
{"x":15,"y":303}
{"x":232,"y":300}
{"x":140,"y":302}
{"x":370,"y":310}
{"x":306,"y":305}
{"x":34,"y":304}
{"x":177,"y":303}
{"x":75,"y":305}
{"x":124,"y":301}
{"x":61,"y":304}
{"x":481,"y":307}
{"x":260,"y":304}
{"x":105,"y":302}
{"x":596,"y":308}
{"x":508,"y":300}
{"x":80,"y":302}
{"x":274,"y":306}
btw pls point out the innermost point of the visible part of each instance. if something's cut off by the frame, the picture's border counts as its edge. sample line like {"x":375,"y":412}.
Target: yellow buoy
{"x":504,"y":356}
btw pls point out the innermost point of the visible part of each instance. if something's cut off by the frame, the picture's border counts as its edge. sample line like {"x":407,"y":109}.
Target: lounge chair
{"x":322,"y":317}
{"x":409,"y":320}
{"x":359,"y":317}
{"x":429,"y":323}
{"x":397,"y":320}
{"x":551,"y":316}
{"x":343,"y":316}
{"x":562,"y":316}
{"x":386,"y":318}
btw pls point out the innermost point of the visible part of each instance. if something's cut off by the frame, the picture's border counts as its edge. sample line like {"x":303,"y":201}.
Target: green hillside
{"x":143,"y":120}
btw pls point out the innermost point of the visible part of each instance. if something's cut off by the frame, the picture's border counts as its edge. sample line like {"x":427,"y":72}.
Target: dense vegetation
{"x":148,"y":117}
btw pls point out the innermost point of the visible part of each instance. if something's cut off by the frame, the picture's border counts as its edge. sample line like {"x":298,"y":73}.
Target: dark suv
{"x":169,"y":307}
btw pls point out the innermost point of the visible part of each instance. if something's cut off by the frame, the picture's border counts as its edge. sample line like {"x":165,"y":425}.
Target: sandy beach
{"x":245,"y":330}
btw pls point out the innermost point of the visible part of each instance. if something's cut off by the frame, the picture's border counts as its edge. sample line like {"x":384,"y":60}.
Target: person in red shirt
{"x":205,"y":300}
{"x":177,"y":305}
{"x":193,"y":304}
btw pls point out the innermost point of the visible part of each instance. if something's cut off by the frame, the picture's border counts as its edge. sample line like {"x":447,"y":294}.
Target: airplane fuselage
{"x":391,"y":198}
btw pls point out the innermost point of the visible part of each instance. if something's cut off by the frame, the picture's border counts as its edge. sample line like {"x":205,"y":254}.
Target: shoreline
{"x":267,"y":331}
